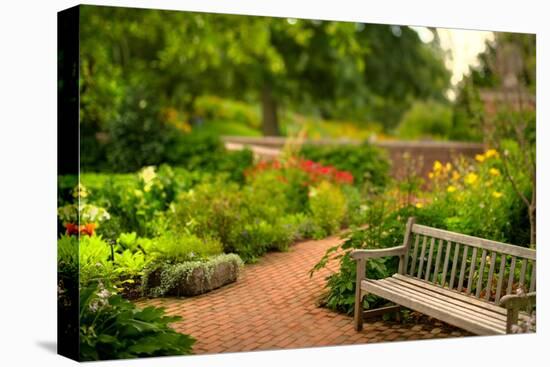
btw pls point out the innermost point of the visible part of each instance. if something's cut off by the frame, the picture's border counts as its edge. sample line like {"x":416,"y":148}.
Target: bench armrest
{"x":520,"y":302}
{"x":370,"y":254}
{"x":513,"y":304}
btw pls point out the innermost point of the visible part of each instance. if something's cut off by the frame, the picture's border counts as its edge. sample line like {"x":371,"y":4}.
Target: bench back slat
{"x":421,"y":265}
{"x":413,"y":265}
{"x":481,"y":272}
{"x":455,"y":263}
{"x":472,"y":270}
{"x":430,"y":255}
{"x":490,"y":276}
{"x":522,"y":273}
{"x":445,"y":263}
{"x":501,"y":272}
{"x":511,"y":276}
{"x":465,"y":264}
{"x":463,"y":268}
{"x":437,"y":261}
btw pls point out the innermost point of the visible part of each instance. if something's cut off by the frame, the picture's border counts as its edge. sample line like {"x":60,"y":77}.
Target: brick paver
{"x":273,"y":306}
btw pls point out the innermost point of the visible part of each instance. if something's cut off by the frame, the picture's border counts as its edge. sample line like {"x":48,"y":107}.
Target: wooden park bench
{"x":452,"y":277}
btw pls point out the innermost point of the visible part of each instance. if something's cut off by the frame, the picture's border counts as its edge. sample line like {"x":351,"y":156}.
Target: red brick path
{"x":272,"y":306}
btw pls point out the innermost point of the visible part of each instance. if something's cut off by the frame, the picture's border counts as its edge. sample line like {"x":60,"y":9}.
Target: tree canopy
{"x":332,"y":69}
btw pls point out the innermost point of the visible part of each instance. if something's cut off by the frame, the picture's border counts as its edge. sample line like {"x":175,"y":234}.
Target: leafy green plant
{"x":113,"y":328}
{"x":426,"y":120}
{"x":328,"y":207}
{"x":384,"y":227}
{"x":178,"y":247}
{"x":94,"y":260}
{"x":211,"y":209}
{"x":369,"y":165}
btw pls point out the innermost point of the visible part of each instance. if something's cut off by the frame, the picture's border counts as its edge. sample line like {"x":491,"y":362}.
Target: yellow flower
{"x":456,"y":175}
{"x":448,"y":167}
{"x":437,"y":166}
{"x":451,"y":189}
{"x":431,"y":175}
{"x":497,"y":194}
{"x":419,"y":205}
{"x":471,"y":178}
{"x":491,"y":153}
{"x":494,"y":172}
{"x":480,"y":157}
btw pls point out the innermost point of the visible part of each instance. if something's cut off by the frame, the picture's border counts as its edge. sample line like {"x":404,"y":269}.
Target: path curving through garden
{"x":273,"y":306}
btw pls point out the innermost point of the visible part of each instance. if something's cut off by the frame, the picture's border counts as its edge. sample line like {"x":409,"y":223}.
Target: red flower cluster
{"x":73,"y":229}
{"x":315,"y":171}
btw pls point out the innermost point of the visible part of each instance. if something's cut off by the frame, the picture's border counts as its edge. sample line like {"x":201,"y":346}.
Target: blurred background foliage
{"x":184,"y":72}
{"x":152,"y":80}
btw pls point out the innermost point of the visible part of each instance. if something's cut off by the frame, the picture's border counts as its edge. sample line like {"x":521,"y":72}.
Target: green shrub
{"x":211,"y":209}
{"x":328,"y":208}
{"x":114,"y":328}
{"x":205,"y":152}
{"x":301,"y":225}
{"x":426,"y":120}
{"x":137,"y":202}
{"x":94,"y":260}
{"x":179,"y":246}
{"x":384,"y":227}
{"x":477,"y":199}
{"x":369,"y":165}
{"x":137,"y":137}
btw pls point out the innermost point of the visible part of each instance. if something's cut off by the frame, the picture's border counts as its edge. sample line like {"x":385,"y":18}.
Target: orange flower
{"x":88,"y":229}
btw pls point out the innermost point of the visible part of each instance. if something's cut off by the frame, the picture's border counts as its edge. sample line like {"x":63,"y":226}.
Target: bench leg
{"x":358,"y":310}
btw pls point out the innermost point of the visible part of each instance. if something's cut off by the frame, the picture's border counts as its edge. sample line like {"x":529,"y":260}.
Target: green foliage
{"x":137,"y":202}
{"x":212,"y":108}
{"x":328,"y":208}
{"x":478,"y":199}
{"x":171,"y":274}
{"x":205,"y":152}
{"x":114,"y":328}
{"x":138,"y":137}
{"x":368,"y":165}
{"x":329,"y":69}
{"x":178,"y":247}
{"x":210,"y":209}
{"x":426,"y":120}
{"x":94,"y":260}
{"x":383,"y":228}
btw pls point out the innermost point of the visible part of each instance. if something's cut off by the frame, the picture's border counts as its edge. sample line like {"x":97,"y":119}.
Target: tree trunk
{"x":270,"y":120}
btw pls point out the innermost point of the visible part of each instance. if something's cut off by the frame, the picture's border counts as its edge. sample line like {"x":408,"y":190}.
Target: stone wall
{"x":404,"y":155}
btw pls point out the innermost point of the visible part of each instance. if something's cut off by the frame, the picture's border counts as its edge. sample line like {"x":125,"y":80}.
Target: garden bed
{"x":192,"y":278}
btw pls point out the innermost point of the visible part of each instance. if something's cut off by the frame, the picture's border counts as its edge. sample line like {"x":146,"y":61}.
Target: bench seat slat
{"x":447,"y":312}
{"x":470,"y":299}
{"x":454,"y":294}
{"x":426,"y":299}
{"x":451,"y":300}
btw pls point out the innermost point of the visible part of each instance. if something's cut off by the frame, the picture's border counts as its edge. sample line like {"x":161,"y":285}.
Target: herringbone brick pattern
{"x":273,"y":306}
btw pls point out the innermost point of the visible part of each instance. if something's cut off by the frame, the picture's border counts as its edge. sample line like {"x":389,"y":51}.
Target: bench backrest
{"x":482,"y":268}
